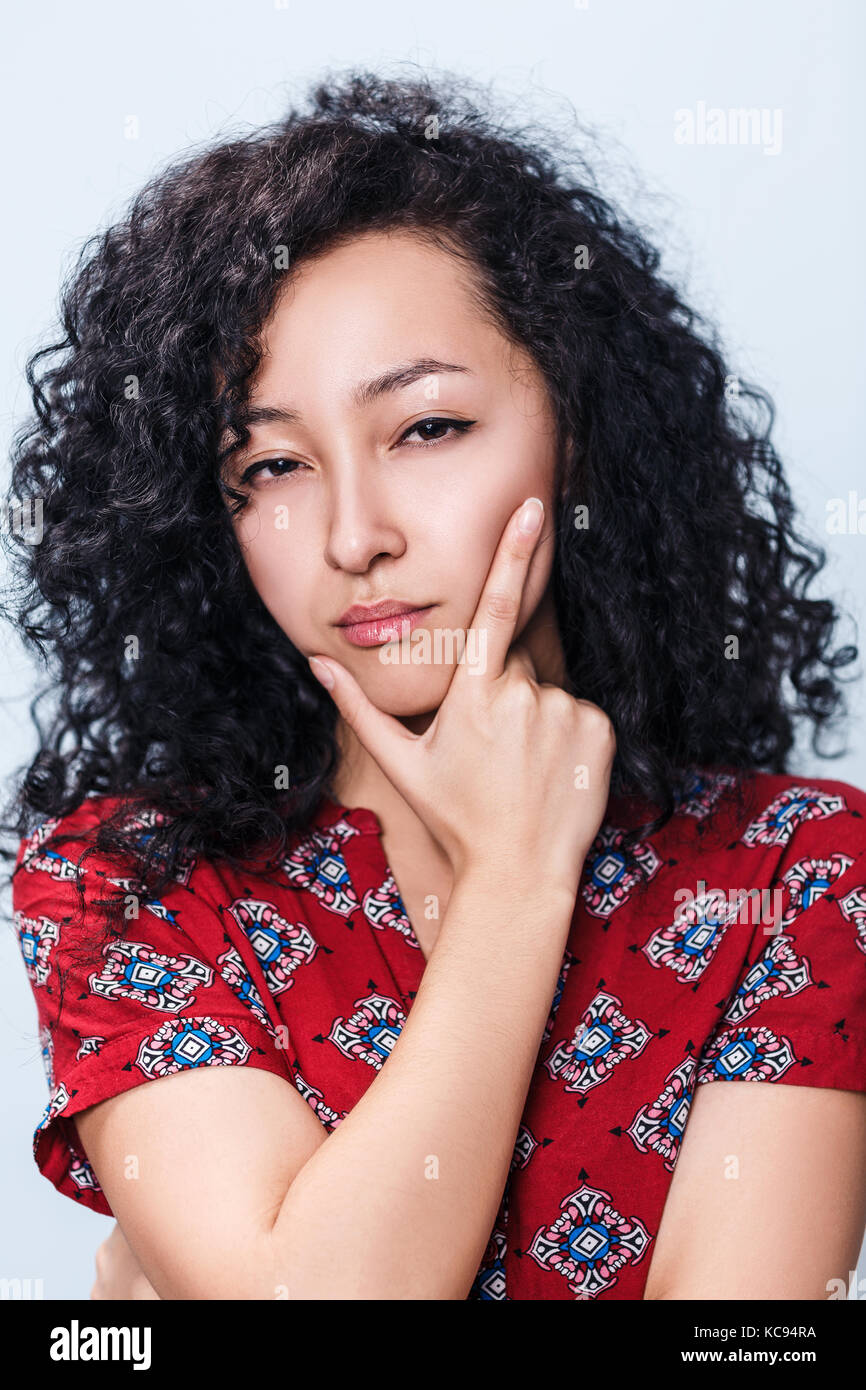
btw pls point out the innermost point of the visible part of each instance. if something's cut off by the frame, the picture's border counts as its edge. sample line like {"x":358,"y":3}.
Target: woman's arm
{"x":118,"y":1273}
{"x":768,"y":1197}
{"x":401,"y":1201}
{"x":236,"y":1194}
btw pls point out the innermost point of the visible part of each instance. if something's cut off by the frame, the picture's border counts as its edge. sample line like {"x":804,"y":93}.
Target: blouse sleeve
{"x":798,"y":1011}
{"x":170,"y":993}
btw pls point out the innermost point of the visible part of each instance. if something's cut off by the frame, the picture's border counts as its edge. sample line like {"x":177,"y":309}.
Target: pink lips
{"x":372,"y":632}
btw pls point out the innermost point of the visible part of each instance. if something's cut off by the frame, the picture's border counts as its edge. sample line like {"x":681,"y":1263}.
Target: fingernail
{"x":530,"y":516}
{"x":322,"y":672}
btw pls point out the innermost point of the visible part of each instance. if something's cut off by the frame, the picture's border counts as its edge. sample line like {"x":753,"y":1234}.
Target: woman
{"x":484,"y":888}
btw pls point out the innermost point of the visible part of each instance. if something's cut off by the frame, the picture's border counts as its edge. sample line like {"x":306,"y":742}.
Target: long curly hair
{"x":681,"y":603}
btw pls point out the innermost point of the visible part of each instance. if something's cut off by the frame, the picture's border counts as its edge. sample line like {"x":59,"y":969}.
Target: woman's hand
{"x":118,"y":1273}
{"x":510,"y":773}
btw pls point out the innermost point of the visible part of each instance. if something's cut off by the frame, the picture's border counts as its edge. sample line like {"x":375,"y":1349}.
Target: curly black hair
{"x":176,"y":689}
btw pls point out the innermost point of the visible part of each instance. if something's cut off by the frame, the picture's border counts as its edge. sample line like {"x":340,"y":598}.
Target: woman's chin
{"x":407,"y":692}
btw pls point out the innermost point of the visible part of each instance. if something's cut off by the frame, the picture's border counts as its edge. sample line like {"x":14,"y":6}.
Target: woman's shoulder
{"x":777,"y":783}
{"x":751,"y":809}
{"x":63,"y":860}
{"x":800,"y":813}
{"x":751,"y":828}
{"x":41,"y":846}
{"x":802,"y":835}
{"x":756,"y":810}
{"x":65,"y":876}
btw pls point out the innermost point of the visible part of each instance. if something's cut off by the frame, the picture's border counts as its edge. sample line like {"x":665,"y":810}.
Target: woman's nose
{"x":361,"y":525}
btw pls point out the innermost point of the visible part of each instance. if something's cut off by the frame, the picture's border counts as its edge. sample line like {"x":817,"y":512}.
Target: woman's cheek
{"x":281,"y":580}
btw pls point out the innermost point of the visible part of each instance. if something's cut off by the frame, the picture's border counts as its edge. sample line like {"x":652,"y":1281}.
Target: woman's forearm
{"x":400,"y":1200}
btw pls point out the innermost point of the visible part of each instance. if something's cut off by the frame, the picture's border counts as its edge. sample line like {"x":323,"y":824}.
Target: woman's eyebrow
{"x":394,"y":379}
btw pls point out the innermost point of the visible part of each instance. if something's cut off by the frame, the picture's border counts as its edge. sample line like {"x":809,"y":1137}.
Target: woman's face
{"x":353,"y":503}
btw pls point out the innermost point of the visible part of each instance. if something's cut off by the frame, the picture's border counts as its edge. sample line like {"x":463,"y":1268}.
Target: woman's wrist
{"x":519,"y":878}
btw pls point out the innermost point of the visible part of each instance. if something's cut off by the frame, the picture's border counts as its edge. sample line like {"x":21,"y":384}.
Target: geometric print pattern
{"x":312,"y":973}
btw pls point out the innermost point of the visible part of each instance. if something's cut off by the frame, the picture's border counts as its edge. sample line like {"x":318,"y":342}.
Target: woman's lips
{"x":379,"y":630}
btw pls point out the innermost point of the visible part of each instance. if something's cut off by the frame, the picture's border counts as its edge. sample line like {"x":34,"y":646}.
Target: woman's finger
{"x":499,"y":605}
{"x":381,"y":734}
{"x":518,"y":659}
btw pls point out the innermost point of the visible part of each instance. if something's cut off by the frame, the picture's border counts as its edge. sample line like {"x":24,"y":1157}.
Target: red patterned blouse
{"x":742,"y":957}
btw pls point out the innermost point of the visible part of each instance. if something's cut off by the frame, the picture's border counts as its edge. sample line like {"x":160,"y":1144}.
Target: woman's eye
{"x":274,"y":465}
{"x":281,"y":467}
{"x":437,"y":423}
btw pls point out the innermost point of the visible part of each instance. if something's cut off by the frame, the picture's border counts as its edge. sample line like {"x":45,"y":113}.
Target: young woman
{"x":429,"y":625}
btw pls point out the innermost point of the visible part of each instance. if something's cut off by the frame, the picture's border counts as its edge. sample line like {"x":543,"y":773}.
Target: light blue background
{"x":769,"y":246}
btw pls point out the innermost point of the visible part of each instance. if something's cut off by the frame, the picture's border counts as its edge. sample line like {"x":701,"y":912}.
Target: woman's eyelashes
{"x":459,"y":427}
{"x":255,"y":468}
